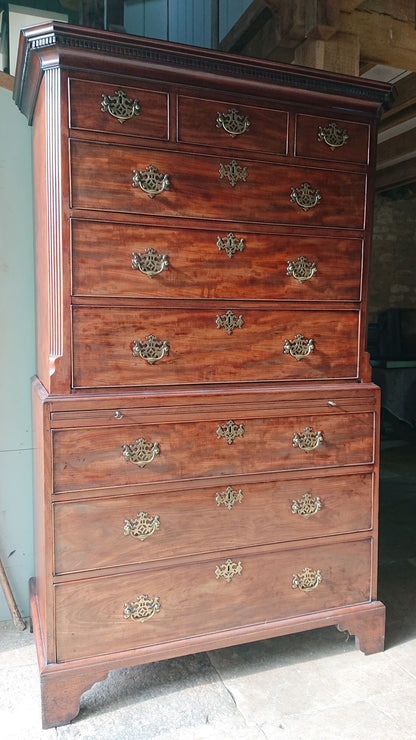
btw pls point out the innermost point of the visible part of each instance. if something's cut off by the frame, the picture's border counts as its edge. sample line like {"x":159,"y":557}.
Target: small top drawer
{"x":329,"y":138}
{"x":112,"y":109}
{"x":232,"y":126}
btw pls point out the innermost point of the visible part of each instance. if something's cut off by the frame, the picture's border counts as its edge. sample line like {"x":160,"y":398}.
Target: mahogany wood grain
{"x":90,"y":533}
{"x":101,"y":179}
{"x":307,"y":144}
{"x":200,"y":352}
{"x":92,"y":457}
{"x":187,"y":592}
{"x":197,"y":124}
{"x":102,"y":264}
{"x":86,"y":99}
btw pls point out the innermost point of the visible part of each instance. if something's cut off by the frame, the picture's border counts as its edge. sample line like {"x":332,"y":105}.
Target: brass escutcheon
{"x":230,"y":431}
{"x":306,"y":506}
{"x":229,"y":321}
{"x":233,"y":172}
{"x":332,"y":135}
{"x":150,"y":349}
{"x":307,"y":580}
{"x":229,"y":497}
{"x":120,"y":106}
{"x":228,"y":570}
{"x":305,"y":196}
{"x":143,"y":525}
{"x":151,"y":181}
{"x":233,"y":122}
{"x":141,"y":452}
{"x":301,"y":269}
{"x":150,"y":263}
{"x":307,"y":440}
{"x":231,"y":244}
{"x":143,"y":608}
{"x":299,"y":347}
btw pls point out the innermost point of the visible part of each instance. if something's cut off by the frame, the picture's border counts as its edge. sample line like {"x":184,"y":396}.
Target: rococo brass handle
{"x":307,"y":440}
{"x":230,"y":431}
{"x":233,"y":172}
{"x":301,"y":269}
{"x":233,"y":122}
{"x":150,"y":349}
{"x":143,"y":608}
{"x":150,"y":263}
{"x":231,"y":244}
{"x":307,"y":580}
{"x":143,"y":525}
{"x":228,"y":570}
{"x":229,"y":321}
{"x":120,"y":106}
{"x":229,"y":497}
{"x":141,"y":453}
{"x":332,"y":135}
{"x":305,"y":196}
{"x":299,"y":347}
{"x":151,"y":181}
{"x":306,"y":506}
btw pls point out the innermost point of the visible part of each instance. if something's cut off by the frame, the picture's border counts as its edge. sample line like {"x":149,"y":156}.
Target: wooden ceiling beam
{"x":383,"y":38}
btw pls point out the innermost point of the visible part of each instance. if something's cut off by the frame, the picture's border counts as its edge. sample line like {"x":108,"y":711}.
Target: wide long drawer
{"x":157,"y":346}
{"x":117,"y":531}
{"x":123,"y":612}
{"x":108,"y":456}
{"x":128,"y":179}
{"x":113,"y":259}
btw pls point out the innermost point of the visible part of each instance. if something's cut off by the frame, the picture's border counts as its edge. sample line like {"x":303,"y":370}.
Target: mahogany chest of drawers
{"x":206,"y":433}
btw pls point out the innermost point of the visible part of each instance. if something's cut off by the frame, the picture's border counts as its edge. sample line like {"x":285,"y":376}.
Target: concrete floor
{"x":299,"y":687}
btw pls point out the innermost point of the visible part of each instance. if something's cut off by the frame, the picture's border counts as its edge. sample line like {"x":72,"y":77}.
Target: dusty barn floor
{"x":305,"y":686}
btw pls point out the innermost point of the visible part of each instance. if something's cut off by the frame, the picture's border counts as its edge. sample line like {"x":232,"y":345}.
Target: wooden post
{"x":340,"y":54}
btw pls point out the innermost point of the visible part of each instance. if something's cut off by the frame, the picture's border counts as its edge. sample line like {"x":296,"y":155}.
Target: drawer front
{"x":154,"y":262}
{"x":121,"y":110}
{"x":197,"y":190}
{"x":94,"y":616}
{"x":232,"y":126}
{"x":214,"y":345}
{"x":332,"y":139}
{"x":99,"y":533}
{"x":93,"y":457}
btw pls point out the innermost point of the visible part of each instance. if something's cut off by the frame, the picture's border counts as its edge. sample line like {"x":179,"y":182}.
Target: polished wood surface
{"x":102,"y":255}
{"x":308,"y":145}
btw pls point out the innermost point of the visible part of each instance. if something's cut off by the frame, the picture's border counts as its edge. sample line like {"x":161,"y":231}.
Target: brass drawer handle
{"x":150,"y":349}
{"x":150,"y":263}
{"x":308,"y":439}
{"x":143,"y":608}
{"x":120,"y":106}
{"x":229,"y":497}
{"x":307,"y":580}
{"x":228,"y":570}
{"x":143,"y":525}
{"x":151,"y":180}
{"x":306,"y":506}
{"x":305,"y":196}
{"x":141,"y":453}
{"x":299,"y":347}
{"x":301,"y":269}
{"x":233,"y":172}
{"x":230,"y":431}
{"x":229,"y":321}
{"x":233,"y":122}
{"x":332,"y":135}
{"x":231,"y":244}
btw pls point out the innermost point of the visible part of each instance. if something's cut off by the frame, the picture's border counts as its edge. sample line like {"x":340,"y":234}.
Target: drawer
{"x":159,"y":346}
{"x":121,"y":110}
{"x":332,"y":139}
{"x":94,"y":616}
{"x":100,"y":533}
{"x":196,"y":189}
{"x":92,"y":457}
{"x":112,"y":259}
{"x":231,"y":125}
